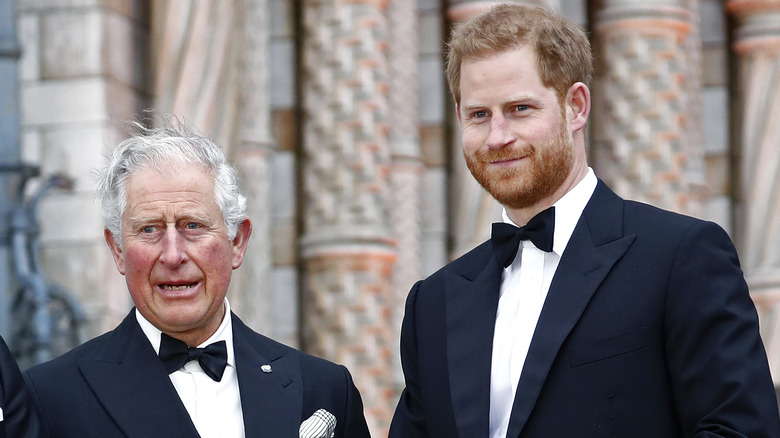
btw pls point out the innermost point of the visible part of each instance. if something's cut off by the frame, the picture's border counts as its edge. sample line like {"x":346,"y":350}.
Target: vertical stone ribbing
{"x":195,"y":50}
{"x":757,"y":45}
{"x":250,"y":286}
{"x":347,"y":245}
{"x":407,"y":167}
{"x":695,"y":165}
{"x":640,"y":100}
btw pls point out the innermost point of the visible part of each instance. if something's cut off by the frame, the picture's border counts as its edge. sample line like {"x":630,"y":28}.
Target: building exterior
{"x":339,"y":121}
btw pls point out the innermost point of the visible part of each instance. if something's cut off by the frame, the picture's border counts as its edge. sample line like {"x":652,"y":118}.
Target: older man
{"x":182,"y":364}
{"x":586,"y":315}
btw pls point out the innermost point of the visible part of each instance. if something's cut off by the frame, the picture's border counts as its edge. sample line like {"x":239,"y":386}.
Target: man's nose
{"x":500,"y":135}
{"x":173,"y":251}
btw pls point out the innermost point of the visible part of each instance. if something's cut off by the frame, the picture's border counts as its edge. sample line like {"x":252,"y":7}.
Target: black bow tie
{"x":506,"y":237}
{"x":175,"y":353}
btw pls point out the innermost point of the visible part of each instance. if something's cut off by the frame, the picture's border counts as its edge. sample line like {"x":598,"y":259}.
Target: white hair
{"x":160,"y":148}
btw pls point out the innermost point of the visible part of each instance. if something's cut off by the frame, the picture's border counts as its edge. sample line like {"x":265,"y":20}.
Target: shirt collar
{"x":224,"y":333}
{"x":568,"y":210}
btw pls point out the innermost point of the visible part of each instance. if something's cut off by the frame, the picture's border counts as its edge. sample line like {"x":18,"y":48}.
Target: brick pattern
{"x":641,"y":103}
{"x":345,"y":101}
{"x":347,"y":317}
{"x":347,"y":246}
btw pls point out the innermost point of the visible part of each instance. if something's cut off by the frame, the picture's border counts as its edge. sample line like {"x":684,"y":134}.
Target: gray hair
{"x":159,"y":148}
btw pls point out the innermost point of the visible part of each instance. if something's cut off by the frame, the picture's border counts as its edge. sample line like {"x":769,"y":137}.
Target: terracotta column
{"x":348,"y":247}
{"x":644,"y":143}
{"x":757,"y":45}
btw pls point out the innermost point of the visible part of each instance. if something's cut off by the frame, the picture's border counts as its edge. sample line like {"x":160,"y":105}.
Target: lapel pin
{"x":266,"y":368}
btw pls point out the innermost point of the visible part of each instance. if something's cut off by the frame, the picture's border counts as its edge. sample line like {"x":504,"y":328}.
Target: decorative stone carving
{"x":347,"y":245}
{"x":641,"y":101}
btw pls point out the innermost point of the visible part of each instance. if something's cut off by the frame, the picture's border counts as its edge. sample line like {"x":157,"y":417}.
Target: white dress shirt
{"x":524,"y":288}
{"x":214,"y":407}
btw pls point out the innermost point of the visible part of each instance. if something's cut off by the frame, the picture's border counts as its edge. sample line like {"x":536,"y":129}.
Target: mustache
{"x":504,"y":154}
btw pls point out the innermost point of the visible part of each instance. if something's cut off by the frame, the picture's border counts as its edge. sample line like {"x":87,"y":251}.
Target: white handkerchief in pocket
{"x":321,"y":424}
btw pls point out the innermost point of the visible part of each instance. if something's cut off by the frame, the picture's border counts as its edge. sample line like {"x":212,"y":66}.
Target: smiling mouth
{"x":506,"y":160}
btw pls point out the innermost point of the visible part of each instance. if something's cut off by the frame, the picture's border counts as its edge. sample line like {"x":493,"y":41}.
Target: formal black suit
{"x":116,"y":386}
{"x":647,"y":331}
{"x":20,"y":420}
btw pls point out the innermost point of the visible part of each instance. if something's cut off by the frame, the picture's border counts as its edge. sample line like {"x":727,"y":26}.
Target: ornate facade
{"x":337,"y":117}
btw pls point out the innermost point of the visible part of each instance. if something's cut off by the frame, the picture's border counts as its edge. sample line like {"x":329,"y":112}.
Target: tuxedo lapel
{"x":595,"y":246}
{"x":133,"y":386}
{"x":272,"y":395}
{"x":472,"y":301}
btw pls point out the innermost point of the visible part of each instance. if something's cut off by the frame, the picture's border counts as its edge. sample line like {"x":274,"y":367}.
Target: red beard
{"x":547,"y":168}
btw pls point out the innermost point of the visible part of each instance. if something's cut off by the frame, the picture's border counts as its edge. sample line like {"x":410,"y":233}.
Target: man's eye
{"x":480,"y":114}
{"x":521,"y":107}
{"x":147,"y":229}
{"x":192,"y":226}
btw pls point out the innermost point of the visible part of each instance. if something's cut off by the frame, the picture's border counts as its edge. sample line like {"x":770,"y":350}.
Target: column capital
{"x":758,"y":25}
{"x":662,"y":15}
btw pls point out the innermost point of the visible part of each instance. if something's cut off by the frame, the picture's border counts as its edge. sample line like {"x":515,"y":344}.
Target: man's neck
{"x":521,"y":216}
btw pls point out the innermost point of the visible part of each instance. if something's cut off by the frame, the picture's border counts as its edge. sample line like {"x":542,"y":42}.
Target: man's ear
{"x":578,"y":106}
{"x":240,"y":242}
{"x":116,"y":251}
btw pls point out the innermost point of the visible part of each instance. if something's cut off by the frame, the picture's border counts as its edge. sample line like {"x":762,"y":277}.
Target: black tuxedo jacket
{"x":20,"y":420}
{"x":116,"y":386}
{"x":647,"y":331}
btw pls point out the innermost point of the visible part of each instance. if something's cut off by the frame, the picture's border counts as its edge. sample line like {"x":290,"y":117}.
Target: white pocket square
{"x":1,"y":414}
{"x":321,"y":424}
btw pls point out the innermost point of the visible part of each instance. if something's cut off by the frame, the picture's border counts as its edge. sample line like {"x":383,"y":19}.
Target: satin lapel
{"x":471,"y":314}
{"x":595,"y":246}
{"x":271,"y":402}
{"x":131,"y":383}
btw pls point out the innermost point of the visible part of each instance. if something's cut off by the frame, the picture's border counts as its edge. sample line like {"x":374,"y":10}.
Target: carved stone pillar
{"x":407,"y":166}
{"x":347,"y":245}
{"x":757,"y":45}
{"x":641,"y":103}
{"x":250,"y":292}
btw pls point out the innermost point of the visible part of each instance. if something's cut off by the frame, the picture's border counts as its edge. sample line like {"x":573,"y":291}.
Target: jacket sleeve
{"x":717,"y":362}
{"x":409,"y":418}
{"x":19,"y":416}
{"x":354,"y":419}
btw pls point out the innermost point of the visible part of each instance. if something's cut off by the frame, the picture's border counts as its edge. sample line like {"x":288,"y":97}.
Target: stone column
{"x":347,"y":246}
{"x":757,"y":46}
{"x":406,"y":161}
{"x":641,"y":102}
{"x":251,"y":291}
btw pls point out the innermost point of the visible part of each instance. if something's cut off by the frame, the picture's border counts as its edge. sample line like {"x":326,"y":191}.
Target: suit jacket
{"x":19,"y":418}
{"x":647,"y":331}
{"x":116,"y":386}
